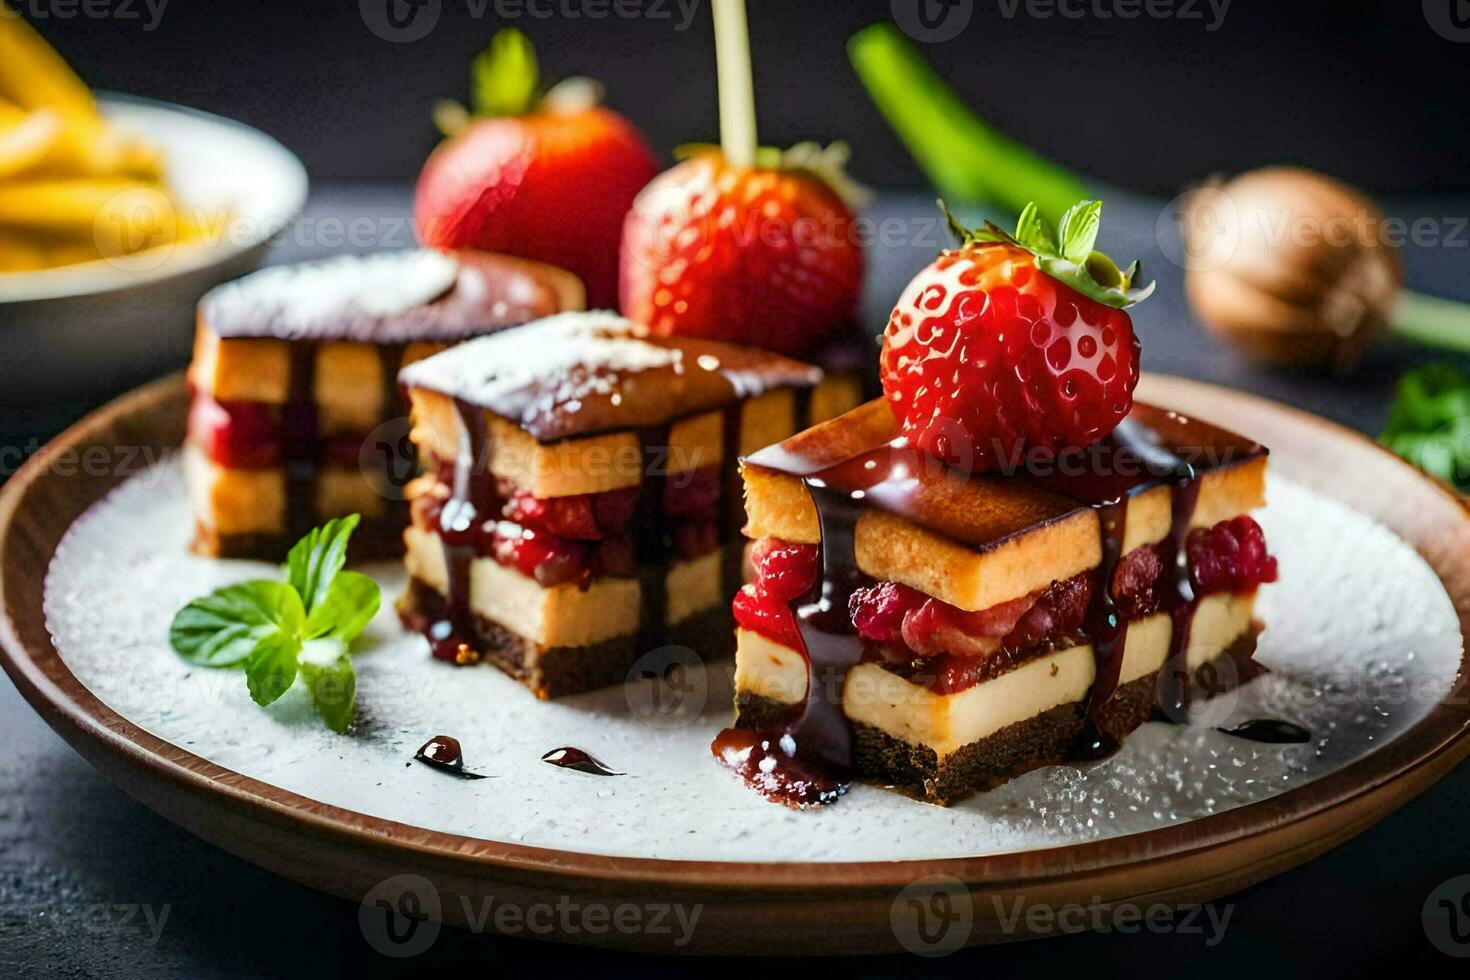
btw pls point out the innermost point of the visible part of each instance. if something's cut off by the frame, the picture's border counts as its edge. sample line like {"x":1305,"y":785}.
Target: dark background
{"x":1365,"y":90}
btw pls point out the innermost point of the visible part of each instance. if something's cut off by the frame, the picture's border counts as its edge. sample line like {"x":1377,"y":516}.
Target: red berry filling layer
{"x":244,"y":435}
{"x":238,"y":435}
{"x":558,"y":540}
{"x":905,"y":626}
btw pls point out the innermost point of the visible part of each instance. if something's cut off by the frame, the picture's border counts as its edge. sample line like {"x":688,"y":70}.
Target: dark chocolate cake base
{"x":1048,"y":739}
{"x":554,"y":672}
{"x":376,"y":539}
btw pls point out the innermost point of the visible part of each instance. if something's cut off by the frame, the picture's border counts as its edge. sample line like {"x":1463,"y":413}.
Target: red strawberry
{"x":765,"y":255}
{"x":550,"y":181}
{"x":1014,"y":344}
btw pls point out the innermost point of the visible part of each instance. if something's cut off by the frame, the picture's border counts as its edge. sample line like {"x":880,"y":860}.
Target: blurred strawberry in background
{"x":745,"y":243}
{"x":545,"y":177}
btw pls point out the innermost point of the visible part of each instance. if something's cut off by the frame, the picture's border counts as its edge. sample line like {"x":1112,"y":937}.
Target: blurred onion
{"x":1290,"y":266}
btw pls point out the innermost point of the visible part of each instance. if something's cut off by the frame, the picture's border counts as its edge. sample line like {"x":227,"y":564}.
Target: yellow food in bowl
{"x":73,"y":187}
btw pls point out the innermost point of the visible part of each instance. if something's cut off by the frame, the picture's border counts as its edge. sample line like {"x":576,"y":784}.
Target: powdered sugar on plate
{"x":1361,"y":639}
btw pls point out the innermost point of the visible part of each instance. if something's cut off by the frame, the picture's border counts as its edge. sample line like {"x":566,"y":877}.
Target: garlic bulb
{"x":1290,"y":266}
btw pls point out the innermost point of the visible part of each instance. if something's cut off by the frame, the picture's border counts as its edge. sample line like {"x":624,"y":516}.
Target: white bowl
{"x":86,"y":330}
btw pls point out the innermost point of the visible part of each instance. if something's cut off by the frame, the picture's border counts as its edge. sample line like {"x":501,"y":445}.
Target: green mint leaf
{"x":351,"y":602}
{"x":329,"y":675}
{"x":271,"y":669}
{"x":504,"y":76}
{"x":1429,"y":422}
{"x":317,"y":558}
{"x":223,"y":628}
{"x":1078,"y":229}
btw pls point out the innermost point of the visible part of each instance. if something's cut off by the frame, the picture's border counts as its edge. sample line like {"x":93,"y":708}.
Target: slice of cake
{"x":295,"y":368}
{"x":943,"y":632}
{"x":581,"y":504}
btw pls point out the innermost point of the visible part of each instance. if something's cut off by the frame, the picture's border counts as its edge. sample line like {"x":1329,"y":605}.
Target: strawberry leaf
{"x":1031,"y":232}
{"x":1071,"y":258}
{"x":1077,"y":231}
{"x":504,"y":76}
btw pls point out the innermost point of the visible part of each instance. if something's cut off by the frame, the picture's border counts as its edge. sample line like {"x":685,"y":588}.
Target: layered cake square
{"x":942,"y":632}
{"x":582,"y":503}
{"x":293,"y":387}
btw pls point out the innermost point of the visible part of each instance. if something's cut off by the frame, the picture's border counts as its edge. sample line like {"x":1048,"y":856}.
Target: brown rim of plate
{"x":38,"y":504}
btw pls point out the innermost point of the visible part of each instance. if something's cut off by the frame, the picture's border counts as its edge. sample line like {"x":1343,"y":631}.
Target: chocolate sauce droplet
{"x":442,"y":752}
{"x":1271,"y":731}
{"x":568,"y":757}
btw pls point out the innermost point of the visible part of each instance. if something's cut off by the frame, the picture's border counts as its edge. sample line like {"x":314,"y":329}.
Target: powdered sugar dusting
{"x":573,"y":355}
{"x":302,"y":300}
{"x":1361,"y":639}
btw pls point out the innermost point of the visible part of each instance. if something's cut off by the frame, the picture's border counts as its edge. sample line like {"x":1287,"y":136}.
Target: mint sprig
{"x":281,"y":631}
{"x":1070,"y":255}
{"x":1429,"y":422}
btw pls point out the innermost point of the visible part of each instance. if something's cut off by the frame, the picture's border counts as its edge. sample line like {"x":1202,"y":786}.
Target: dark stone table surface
{"x":92,"y":884}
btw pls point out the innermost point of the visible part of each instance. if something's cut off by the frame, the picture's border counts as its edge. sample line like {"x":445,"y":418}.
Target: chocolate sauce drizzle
{"x":808,"y":760}
{"x":570,"y":757}
{"x":458,"y":521}
{"x":443,"y":752}
{"x":1269,"y":731}
{"x":302,"y":446}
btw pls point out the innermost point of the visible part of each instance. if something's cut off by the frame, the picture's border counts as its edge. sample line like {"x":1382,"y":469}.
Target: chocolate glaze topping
{"x":864,"y":462}
{"x":388,"y":298}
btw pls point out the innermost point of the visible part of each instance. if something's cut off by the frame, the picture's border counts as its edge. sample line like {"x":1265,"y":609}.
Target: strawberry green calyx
{"x":827,"y":163}
{"x":505,"y":81}
{"x":1068,"y":256}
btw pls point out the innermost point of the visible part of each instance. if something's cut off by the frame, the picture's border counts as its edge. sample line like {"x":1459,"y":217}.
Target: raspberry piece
{"x":784,"y":570}
{"x":878,"y":611}
{"x":1230,"y":557}
{"x":240,"y":435}
{"x":550,"y":560}
{"x":763,"y":614}
{"x":937,"y":627}
{"x":1134,"y":580}
{"x":1061,"y":610}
